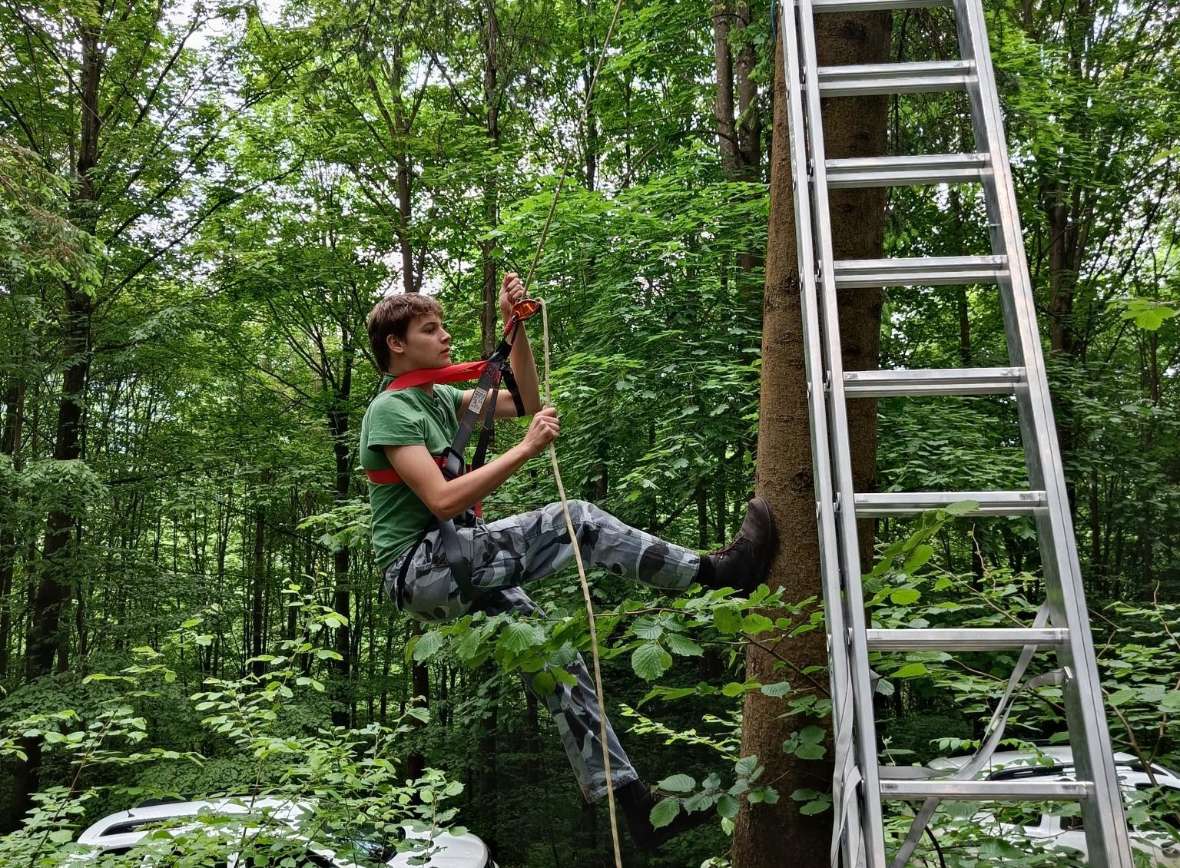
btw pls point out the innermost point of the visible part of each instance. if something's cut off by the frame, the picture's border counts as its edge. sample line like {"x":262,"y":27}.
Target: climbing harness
{"x":489,"y":372}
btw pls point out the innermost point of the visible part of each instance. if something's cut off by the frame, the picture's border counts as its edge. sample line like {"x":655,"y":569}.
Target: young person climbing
{"x":438,"y":562}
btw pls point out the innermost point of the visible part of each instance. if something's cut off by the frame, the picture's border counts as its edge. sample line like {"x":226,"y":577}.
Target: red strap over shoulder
{"x":448,"y":374}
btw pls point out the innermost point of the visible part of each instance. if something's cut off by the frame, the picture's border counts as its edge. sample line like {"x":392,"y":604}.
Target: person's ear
{"x":394,"y":345}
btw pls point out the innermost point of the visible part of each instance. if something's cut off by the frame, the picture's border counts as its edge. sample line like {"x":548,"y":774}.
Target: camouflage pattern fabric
{"x":522,"y":548}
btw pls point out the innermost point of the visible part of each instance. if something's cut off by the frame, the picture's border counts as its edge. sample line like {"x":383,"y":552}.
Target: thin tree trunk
{"x":749,"y":123}
{"x":420,"y":696}
{"x":14,"y":403}
{"x":723,"y":99}
{"x":257,"y":645}
{"x":341,"y":559}
{"x":52,"y":593}
{"x":491,"y":99}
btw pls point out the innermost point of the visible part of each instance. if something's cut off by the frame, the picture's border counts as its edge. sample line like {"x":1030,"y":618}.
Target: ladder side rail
{"x":849,"y":554}
{"x":1106,"y":831}
{"x":840,"y":676}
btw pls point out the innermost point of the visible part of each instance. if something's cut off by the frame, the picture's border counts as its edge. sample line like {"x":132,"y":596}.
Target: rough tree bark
{"x":338,"y":415}
{"x":258,"y":576}
{"x":723,"y":99}
{"x":780,"y":835}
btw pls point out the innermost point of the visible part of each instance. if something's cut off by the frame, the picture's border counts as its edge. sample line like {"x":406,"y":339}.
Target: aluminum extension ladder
{"x":859,"y":784}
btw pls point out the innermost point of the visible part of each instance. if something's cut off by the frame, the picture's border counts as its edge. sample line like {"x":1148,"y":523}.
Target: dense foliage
{"x":200,"y":202}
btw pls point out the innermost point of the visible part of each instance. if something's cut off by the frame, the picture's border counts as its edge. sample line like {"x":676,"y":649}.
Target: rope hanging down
{"x":569,"y":524}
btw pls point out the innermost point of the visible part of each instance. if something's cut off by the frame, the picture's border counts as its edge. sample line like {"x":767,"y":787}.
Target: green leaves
{"x":677,"y":784}
{"x":519,"y":636}
{"x":727,"y":619}
{"x":664,"y":812}
{"x":807,"y":743}
{"x":423,"y":647}
{"x":682,"y":646}
{"x":814,"y":802}
{"x":910,"y":670}
{"x":650,"y":661}
{"x":1148,"y":314}
{"x":905,"y":596}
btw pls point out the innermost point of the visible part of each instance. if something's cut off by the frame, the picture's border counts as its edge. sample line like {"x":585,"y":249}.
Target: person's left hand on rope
{"x":511,"y":291}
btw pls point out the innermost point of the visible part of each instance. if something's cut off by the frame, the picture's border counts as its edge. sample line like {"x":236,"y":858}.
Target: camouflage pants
{"x":527,"y":547}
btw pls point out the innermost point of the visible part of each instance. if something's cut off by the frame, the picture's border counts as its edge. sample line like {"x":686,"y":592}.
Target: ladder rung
{"x":904,"y":171}
{"x":928,"y":76}
{"x":948,"y":381}
{"x":926,"y":271}
{"x":985,"y":790}
{"x":910,"y":502}
{"x":873,"y":5}
{"x":972,"y":639}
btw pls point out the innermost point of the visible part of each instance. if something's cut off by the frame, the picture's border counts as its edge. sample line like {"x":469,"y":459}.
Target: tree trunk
{"x":341,"y":561}
{"x":749,"y":124}
{"x":779,"y":835}
{"x":491,"y":99}
{"x":723,"y":100}
{"x":14,"y":404}
{"x":420,"y":696}
{"x":405,"y":204}
{"x":52,"y":593}
{"x":257,"y":645}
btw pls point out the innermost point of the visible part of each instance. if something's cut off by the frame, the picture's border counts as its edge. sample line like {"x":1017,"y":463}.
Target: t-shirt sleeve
{"x":392,"y":423}
{"x":457,"y":397}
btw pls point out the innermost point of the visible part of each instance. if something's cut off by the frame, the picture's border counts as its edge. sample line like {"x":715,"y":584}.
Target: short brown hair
{"x":392,"y":316}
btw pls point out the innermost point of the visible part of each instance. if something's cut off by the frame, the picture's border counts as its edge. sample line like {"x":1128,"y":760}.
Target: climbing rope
{"x":569,"y":522}
{"x":569,"y":526}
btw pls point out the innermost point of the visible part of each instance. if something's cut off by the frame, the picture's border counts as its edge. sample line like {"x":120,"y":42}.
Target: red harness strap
{"x":388,"y":476}
{"x":448,"y":374}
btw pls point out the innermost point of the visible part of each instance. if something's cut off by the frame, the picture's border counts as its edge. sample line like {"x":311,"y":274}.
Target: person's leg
{"x":575,"y":710}
{"x":526,"y":547}
{"x":529,"y":546}
{"x":428,"y":590}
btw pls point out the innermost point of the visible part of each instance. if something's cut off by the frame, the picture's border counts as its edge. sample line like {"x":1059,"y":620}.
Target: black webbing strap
{"x":489,"y":382}
{"x":482,"y":404}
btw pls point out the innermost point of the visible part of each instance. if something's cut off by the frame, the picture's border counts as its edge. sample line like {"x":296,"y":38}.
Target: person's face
{"x":427,"y":345}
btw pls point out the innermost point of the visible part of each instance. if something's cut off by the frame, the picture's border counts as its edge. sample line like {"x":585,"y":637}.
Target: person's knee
{"x":581,"y":508}
{"x":586,"y":514}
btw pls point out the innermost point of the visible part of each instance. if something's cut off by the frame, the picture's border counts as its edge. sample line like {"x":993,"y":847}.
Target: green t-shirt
{"x":403,"y":418}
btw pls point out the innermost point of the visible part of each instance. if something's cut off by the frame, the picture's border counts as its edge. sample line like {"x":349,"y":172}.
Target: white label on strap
{"x":477,"y":400}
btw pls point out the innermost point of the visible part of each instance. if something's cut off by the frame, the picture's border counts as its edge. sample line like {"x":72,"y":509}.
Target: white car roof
{"x":124,"y":829}
{"x":1061,"y":755}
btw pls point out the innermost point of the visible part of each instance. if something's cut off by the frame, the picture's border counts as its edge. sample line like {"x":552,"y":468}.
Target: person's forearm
{"x":524,"y":368}
{"x":466,"y":490}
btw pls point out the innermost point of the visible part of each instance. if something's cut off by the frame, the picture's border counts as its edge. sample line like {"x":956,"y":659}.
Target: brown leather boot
{"x":745,"y":562}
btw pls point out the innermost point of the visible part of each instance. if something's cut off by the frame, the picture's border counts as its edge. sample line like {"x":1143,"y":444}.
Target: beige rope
{"x":569,"y":526}
{"x":569,"y":523}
